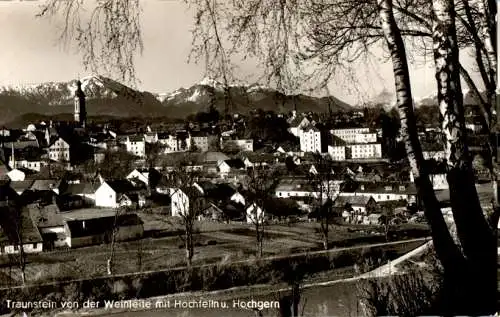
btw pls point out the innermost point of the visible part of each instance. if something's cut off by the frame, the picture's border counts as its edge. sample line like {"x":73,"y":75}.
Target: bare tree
{"x":153,"y":152}
{"x":187,"y":201}
{"x":259,"y":184}
{"x":19,"y":256}
{"x":326,"y":188}
{"x":119,"y":212}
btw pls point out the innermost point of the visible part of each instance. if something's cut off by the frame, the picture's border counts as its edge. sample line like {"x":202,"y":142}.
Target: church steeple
{"x":80,"y":113}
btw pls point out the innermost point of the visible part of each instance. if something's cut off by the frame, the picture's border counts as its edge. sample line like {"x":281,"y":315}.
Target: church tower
{"x":80,"y":113}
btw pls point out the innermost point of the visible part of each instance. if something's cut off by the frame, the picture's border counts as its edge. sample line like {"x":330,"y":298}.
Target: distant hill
{"x":198,"y":97}
{"x":107,"y":97}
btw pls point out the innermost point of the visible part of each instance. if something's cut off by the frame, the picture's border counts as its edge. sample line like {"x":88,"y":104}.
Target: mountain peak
{"x":208,"y":81}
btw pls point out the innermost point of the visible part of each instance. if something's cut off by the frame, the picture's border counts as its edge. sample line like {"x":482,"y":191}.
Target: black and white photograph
{"x":249,"y":158}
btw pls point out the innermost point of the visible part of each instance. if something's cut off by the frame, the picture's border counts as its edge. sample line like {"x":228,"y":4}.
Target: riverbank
{"x":329,"y":265}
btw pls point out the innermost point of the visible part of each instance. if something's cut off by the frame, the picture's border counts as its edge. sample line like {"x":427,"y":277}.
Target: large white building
{"x":364,"y":150}
{"x":337,"y":152}
{"x":311,"y":139}
{"x":351,"y":135}
{"x":136,"y":145}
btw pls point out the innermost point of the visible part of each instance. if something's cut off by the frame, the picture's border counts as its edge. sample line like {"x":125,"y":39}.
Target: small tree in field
{"x":326,"y":188}
{"x":19,"y":257}
{"x":259,"y":182}
{"x":187,"y":201}
{"x":120,"y":211}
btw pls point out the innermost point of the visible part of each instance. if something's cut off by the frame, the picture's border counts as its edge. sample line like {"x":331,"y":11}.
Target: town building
{"x":355,"y":135}
{"x":98,"y":230}
{"x":59,"y":150}
{"x":135,"y":144}
{"x":313,"y":139}
{"x":364,"y":151}
{"x":236,"y":145}
{"x":116,"y":193}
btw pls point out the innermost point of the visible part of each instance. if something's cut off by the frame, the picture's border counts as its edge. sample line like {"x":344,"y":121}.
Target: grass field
{"x":214,"y":242}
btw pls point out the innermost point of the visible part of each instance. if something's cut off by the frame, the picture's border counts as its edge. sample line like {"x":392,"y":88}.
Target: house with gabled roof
{"x":227,"y":166}
{"x":13,"y":234}
{"x":259,"y":160}
{"x":98,"y":230}
{"x":76,"y":195}
{"x":115,"y":193}
{"x":141,"y":175}
{"x":382,"y":191}
{"x":297,"y":123}
{"x":187,"y":199}
{"x":136,"y":145}
{"x":50,"y":223}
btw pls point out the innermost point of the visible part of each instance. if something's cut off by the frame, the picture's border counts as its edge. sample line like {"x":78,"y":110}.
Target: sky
{"x":30,"y":54}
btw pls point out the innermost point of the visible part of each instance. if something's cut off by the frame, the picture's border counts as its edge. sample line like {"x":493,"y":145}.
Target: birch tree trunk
{"x":470,"y":283}
{"x":443,"y":242}
{"x":469,"y":272}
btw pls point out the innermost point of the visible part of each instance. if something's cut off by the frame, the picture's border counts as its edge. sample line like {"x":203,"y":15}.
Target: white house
{"x":355,"y":208}
{"x":383,"y":191}
{"x":140,"y":175}
{"x":185,"y":200}
{"x":136,"y":145}
{"x":288,"y":188}
{"x":34,"y":165}
{"x":202,"y":141}
{"x":310,"y":139}
{"x":297,"y":124}
{"x":169,"y":142}
{"x":109,"y":194}
{"x":364,"y":150}
{"x":223,"y":167}
{"x":238,"y":198}
{"x":31,"y":238}
{"x":59,"y":150}
{"x":16,"y":175}
{"x":337,"y":152}
{"x":255,"y":214}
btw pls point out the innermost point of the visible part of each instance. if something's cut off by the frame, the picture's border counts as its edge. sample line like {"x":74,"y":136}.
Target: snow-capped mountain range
{"x":106,"y":96}
{"x":388,"y":99}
